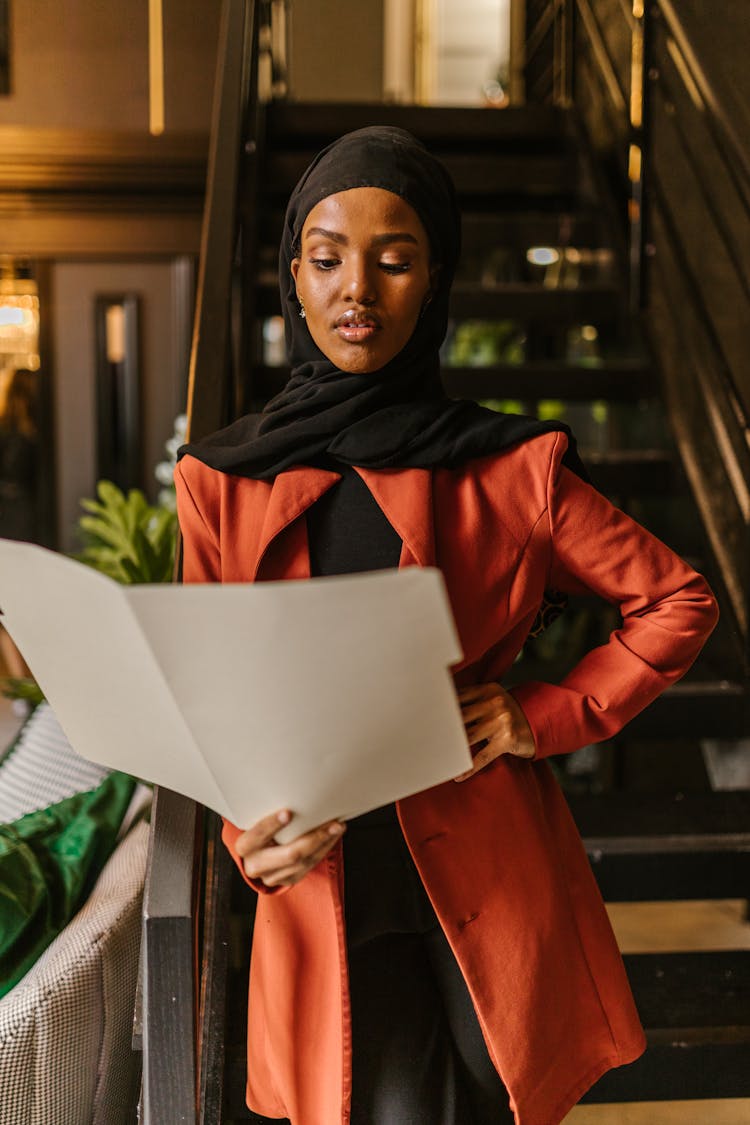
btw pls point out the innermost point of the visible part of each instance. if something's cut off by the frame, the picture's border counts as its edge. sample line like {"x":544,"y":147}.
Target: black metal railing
{"x":679,"y":172}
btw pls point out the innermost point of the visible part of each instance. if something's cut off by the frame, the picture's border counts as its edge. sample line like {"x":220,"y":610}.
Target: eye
{"x":395,"y":267}
{"x":324,"y":263}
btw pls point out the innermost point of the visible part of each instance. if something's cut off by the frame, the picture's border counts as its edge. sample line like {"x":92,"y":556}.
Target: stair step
{"x":475,"y":175}
{"x":651,"y":846}
{"x":631,"y":472}
{"x":695,"y":1008}
{"x":694,"y":709}
{"x":663,"y":816}
{"x":585,"y":304}
{"x":617,"y":381}
{"x":317,"y":123}
{"x":524,"y":302}
{"x":621,"y":381}
{"x":582,"y":229}
{"x":482,"y":230}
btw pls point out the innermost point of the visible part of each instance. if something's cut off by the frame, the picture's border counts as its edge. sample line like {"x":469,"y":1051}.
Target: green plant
{"x":476,"y":343}
{"x":127,"y":538}
{"x":22,"y":687}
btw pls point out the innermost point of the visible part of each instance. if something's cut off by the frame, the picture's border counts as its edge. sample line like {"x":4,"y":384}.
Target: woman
{"x":451,"y":955}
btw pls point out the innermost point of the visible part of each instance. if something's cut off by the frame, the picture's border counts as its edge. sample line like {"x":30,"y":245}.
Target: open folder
{"x":329,"y":697}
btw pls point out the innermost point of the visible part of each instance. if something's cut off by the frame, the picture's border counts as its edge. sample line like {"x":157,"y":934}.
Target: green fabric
{"x":49,"y":861}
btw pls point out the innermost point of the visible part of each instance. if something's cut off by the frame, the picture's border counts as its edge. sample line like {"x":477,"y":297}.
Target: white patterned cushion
{"x":43,"y":768}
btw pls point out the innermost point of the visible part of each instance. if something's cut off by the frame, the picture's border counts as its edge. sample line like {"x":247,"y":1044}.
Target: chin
{"x":359,"y":365}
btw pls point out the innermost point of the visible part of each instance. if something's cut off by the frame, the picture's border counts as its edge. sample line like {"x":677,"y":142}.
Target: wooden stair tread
{"x":495,"y":174}
{"x":669,"y":820}
{"x":662,"y":847}
{"x":578,"y":227}
{"x":521,"y":301}
{"x":436,"y":126}
{"x":703,"y":991}
{"x":695,"y":708}
{"x":589,"y":303}
{"x":695,"y":1008}
{"x":621,"y":381}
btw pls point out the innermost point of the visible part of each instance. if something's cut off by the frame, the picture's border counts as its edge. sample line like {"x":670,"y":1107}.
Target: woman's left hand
{"x":495,"y":724}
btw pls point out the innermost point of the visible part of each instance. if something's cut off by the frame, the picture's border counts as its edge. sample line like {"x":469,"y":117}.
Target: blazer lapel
{"x":405,"y":497}
{"x":292,"y":493}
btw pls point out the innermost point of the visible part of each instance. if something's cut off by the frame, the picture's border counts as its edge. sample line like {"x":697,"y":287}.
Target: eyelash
{"x":327,"y":264}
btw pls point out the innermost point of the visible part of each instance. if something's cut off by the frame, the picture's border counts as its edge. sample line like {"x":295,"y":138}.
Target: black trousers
{"x":418,"y":1053}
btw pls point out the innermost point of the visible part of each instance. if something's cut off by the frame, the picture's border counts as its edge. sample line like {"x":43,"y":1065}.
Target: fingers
{"x":477,"y":691}
{"x":288,"y":876}
{"x":491,"y":728}
{"x":285,"y":864}
{"x":481,"y":759}
{"x":261,"y":833}
{"x":495,"y":724}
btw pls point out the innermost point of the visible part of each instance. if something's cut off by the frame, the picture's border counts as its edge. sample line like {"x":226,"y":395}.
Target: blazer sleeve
{"x":201,"y":562}
{"x":667,"y":612}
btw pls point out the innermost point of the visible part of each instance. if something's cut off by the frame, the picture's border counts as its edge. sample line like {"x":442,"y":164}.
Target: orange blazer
{"x":499,"y":855}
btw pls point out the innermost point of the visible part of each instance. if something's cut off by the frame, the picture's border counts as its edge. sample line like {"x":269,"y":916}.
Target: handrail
{"x":707,"y":196}
{"x":658,"y":40}
{"x":596,"y":39}
{"x":738,"y":162}
{"x":542,"y":26}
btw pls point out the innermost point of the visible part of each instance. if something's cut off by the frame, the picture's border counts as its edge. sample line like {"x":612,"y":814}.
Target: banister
{"x":611,"y":81}
{"x":665,"y":70}
{"x":738,"y":161}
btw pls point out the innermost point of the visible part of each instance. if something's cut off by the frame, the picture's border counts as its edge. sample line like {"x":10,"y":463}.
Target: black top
{"x":383,"y":893}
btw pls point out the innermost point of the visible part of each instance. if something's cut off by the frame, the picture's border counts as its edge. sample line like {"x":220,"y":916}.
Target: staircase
{"x":544,"y":320}
{"x":558,"y":338}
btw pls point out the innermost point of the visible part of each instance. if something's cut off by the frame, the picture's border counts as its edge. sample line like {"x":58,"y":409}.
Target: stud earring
{"x":302,"y":312}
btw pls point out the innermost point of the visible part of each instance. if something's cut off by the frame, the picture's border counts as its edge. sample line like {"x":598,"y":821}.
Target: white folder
{"x":329,"y":697}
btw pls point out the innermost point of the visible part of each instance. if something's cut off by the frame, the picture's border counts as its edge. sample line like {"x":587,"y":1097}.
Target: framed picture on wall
{"x":118,"y":390}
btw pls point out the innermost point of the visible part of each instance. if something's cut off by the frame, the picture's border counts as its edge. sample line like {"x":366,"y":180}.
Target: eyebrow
{"x":378,"y":240}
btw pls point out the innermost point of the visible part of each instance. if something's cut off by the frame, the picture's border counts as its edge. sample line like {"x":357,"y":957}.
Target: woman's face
{"x":363,"y":276}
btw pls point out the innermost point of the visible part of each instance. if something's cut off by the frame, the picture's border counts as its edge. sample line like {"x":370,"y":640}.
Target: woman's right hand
{"x":283,"y":865}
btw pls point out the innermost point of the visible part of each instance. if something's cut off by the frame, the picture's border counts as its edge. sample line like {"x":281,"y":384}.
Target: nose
{"x":359,"y":281}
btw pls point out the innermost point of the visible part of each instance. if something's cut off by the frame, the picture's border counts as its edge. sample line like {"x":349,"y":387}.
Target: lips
{"x":356,"y":326}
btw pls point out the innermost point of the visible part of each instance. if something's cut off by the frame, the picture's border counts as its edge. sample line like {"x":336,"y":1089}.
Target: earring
{"x":302,"y":312}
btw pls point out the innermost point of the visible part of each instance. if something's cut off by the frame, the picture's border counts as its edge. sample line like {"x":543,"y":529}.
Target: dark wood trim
{"x":214,"y":967}
{"x":89,"y":160}
{"x":169,"y":1071}
{"x":99,"y":194}
{"x":90,"y":232}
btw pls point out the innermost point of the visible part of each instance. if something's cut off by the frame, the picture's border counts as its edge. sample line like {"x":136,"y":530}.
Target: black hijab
{"x":398,"y":416}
